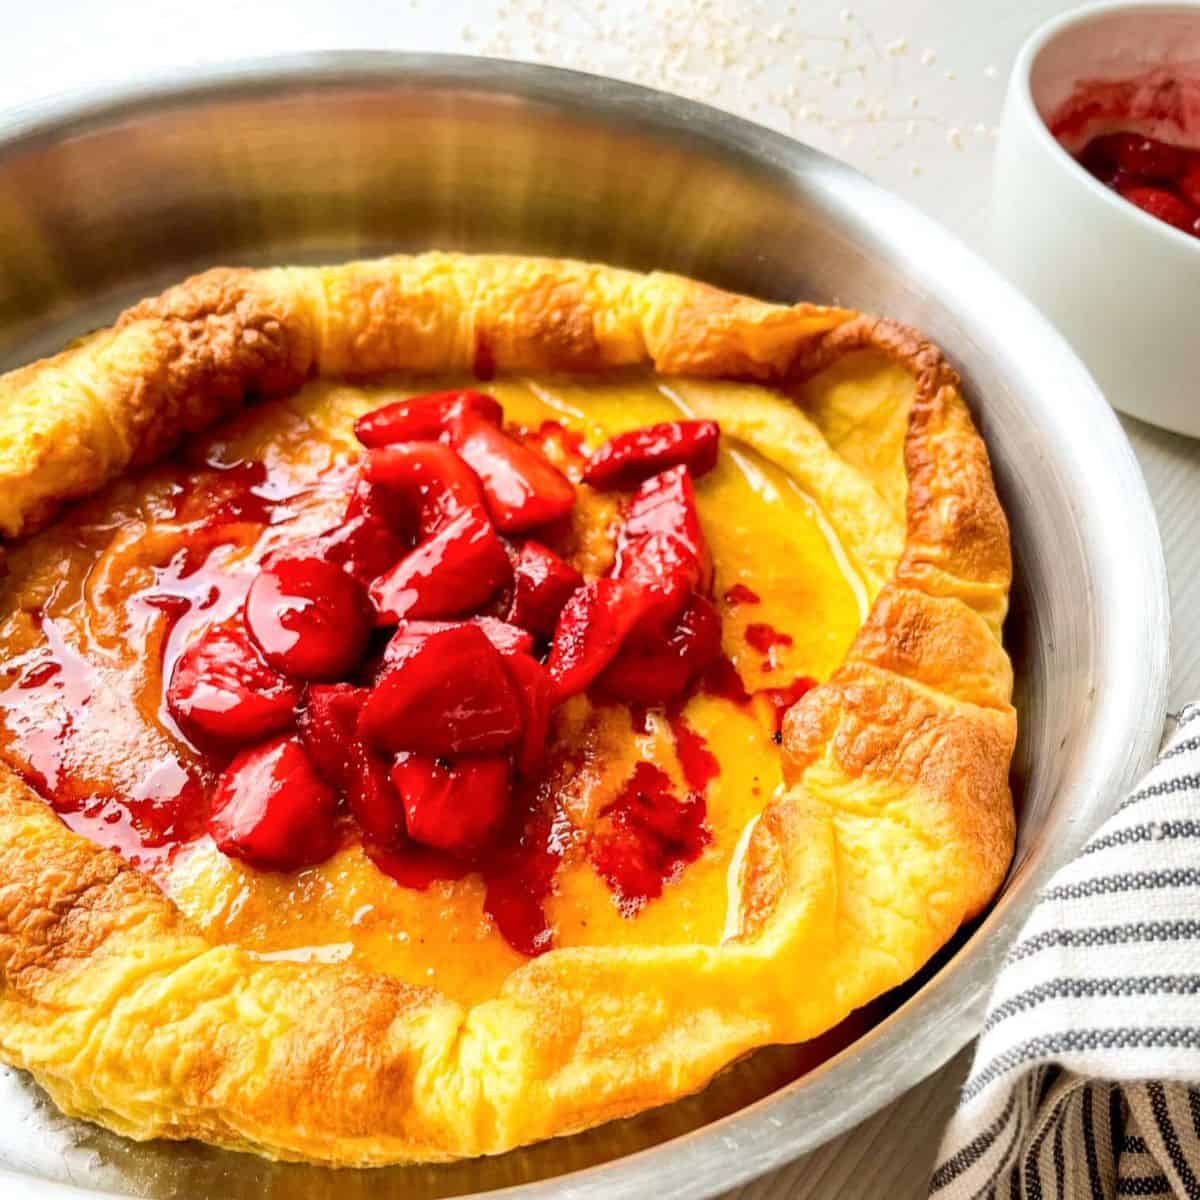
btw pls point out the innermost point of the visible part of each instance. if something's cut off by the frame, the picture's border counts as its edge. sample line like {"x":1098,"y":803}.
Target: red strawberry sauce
{"x":1139,"y":137}
{"x":646,"y":837}
{"x":46,"y":695}
{"x":697,"y":762}
{"x":741,"y":594}
{"x":764,"y":638}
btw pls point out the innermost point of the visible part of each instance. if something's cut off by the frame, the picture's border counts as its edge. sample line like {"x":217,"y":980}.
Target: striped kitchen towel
{"x":1086,"y":1079}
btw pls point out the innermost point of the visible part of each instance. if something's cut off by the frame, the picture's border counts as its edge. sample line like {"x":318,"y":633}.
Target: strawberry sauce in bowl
{"x":1096,"y":197}
{"x":1141,"y":138}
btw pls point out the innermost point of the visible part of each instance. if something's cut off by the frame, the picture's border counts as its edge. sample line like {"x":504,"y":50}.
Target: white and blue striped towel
{"x":1086,"y":1079}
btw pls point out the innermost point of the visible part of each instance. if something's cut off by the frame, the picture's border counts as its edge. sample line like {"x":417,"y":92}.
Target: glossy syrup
{"x":645,"y":837}
{"x":47,"y":698}
{"x":51,"y":692}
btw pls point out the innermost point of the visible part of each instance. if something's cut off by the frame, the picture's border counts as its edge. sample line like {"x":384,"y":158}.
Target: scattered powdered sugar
{"x":824,"y":76}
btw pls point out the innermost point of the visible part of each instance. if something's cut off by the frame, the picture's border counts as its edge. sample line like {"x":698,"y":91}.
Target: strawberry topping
{"x":666,"y":572}
{"x":666,"y":506}
{"x":454,"y":572}
{"x":542,"y":584}
{"x":424,"y":418}
{"x":739,"y":593}
{"x":523,"y":490}
{"x":272,"y":810}
{"x":1158,"y":177}
{"x":374,"y":801}
{"x":1189,"y":182}
{"x":374,"y":533}
{"x":652,"y":670}
{"x":444,"y":691}
{"x":310,"y":619}
{"x":538,"y":698}
{"x":424,"y":739}
{"x":430,"y":478}
{"x":1165,"y":205}
{"x":508,"y":639}
{"x":629,"y":458}
{"x":379,"y":504}
{"x":223,"y":693}
{"x":646,"y":836}
{"x":520,"y":877}
{"x":662,"y":561}
{"x":452,"y":806}
{"x":328,"y":725}
{"x":764,"y":638}
{"x":1136,"y":155}
{"x":362,"y":545}
{"x":594,"y":623}
{"x":415,"y":866}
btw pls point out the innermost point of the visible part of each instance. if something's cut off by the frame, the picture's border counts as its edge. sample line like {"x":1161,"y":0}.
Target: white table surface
{"x":908,"y":91}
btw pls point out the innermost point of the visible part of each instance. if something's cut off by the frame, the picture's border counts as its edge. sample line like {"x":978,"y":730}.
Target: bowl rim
{"x":1120,"y":540}
{"x":1022,"y":90}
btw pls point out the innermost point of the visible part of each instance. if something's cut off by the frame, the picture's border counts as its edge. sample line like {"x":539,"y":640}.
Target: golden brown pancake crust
{"x":895,"y":826}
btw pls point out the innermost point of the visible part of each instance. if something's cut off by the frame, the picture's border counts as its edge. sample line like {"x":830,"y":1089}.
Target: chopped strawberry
{"x":594,"y":623}
{"x":272,"y":810}
{"x":328,"y":723}
{"x":538,"y":697}
{"x":379,"y":504}
{"x":453,"y":806}
{"x":655,"y":670}
{"x":523,"y":490}
{"x":455,"y":571}
{"x":423,"y":418}
{"x":508,"y":639}
{"x":443,"y":691}
{"x":222,"y":692}
{"x":662,"y":556}
{"x":629,"y":458}
{"x":666,"y":570}
{"x":1166,"y":206}
{"x":310,"y":618}
{"x":537,"y":694}
{"x":374,"y":801}
{"x":362,"y":545}
{"x":542,"y":584}
{"x":375,"y":533}
{"x":430,"y":478}
{"x":666,"y":504}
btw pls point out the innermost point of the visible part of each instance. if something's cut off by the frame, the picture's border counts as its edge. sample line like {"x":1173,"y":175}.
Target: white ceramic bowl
{"x":1122,"y":286}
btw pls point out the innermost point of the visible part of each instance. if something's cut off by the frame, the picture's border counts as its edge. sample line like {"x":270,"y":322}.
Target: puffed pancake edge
{"x":895,"y":824}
